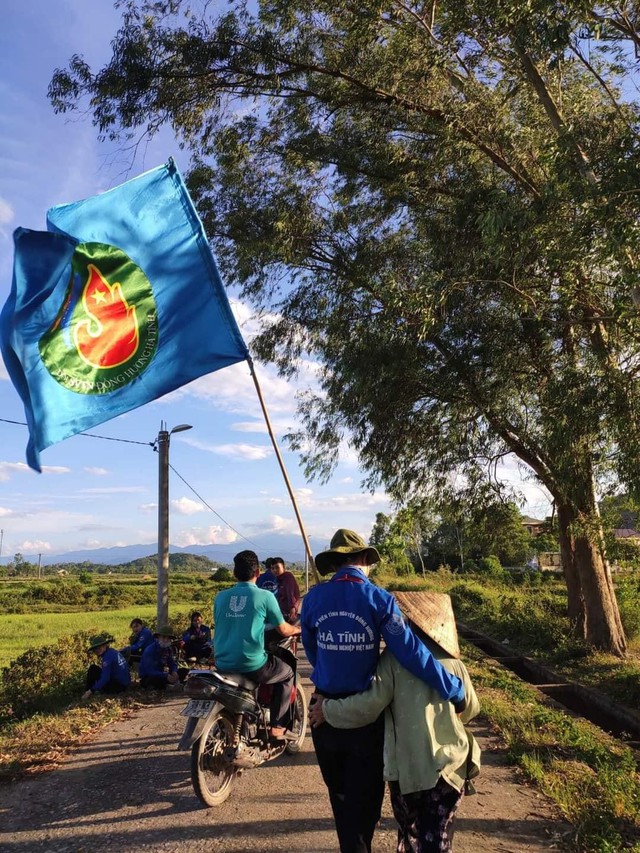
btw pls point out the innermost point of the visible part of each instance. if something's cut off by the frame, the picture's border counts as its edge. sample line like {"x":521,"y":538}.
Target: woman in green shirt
{"x":428,"y":754}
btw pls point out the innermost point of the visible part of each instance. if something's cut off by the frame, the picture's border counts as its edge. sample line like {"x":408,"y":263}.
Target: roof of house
{"x":626,"y":533}
{"x":526,"y":519}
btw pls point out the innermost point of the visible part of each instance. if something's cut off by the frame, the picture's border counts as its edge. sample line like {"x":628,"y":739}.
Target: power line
{"x":200,"y":498}
{"x":151,"y":444}
{"x":90,"y":434}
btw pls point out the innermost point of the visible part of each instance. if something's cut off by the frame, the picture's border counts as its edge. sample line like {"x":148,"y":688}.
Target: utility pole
{"x":39,"y":564}
{"x":162,"y":445}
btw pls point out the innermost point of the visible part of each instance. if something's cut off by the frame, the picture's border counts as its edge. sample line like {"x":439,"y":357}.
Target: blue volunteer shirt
{"x":144,"y":639}
{"x":268,"y":581}
{"x":154,"y":660}
{"x":240,"y":615}
{"x":113,"y":668}
{"x":342,"y":623}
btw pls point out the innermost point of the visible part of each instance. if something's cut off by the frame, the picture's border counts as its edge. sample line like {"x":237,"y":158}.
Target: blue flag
{"x":118,"y":303}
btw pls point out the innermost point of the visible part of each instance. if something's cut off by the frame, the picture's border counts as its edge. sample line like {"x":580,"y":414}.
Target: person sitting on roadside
{"x":240,"y":616}
{"x":111,"y":674}
{"x":197,"y":639}
{"x":288,"y":594}
{"x":141,"y":637}
{"x":158,"y":666}
{"x":428,"y":753}
{"x":267,"y":580}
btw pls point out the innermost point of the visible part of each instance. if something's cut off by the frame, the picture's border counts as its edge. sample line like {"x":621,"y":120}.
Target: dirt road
{"x":129,"y":790}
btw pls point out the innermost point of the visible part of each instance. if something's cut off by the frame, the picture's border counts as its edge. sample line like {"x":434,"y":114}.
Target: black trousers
{"x":351,"y":763}
{"x":93,"y":674}
{"x":280,"y":675}
{"x":153,"y":682}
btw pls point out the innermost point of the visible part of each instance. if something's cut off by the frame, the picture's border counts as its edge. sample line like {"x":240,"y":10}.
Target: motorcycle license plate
{"x":197,"y":708}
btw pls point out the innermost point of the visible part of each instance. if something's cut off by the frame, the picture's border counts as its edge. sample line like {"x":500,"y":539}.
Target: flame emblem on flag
{"x":105,"y":333}
{"x":109,"y":336}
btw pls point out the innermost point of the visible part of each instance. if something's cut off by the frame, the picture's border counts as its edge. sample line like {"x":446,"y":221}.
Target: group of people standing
{"x":283,"y":585}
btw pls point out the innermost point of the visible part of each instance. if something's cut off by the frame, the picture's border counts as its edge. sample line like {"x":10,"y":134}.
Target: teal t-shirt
{"x":239,"y":616}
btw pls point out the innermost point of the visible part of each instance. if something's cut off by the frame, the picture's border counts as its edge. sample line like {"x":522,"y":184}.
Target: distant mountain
{"x":288,"y":546}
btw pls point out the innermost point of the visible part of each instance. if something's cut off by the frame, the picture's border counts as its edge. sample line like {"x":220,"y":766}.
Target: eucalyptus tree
{"x":440,"y":201}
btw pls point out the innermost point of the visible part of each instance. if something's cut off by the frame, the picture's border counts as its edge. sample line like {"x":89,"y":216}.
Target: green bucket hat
{"x":99,"y":640}
{"x":344,"y":542}
{"x":164,"y":631}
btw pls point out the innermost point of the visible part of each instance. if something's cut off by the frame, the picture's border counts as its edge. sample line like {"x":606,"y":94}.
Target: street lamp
{"x":162,"y":444}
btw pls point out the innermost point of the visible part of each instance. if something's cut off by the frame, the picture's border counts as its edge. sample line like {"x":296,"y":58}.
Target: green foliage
{"x":490,"y":566}
{"x":223,"y":574}
{"x":44,"y":678}
{"x":628,"y":595}
{"x":591,"y":777}
{"x":443,"y":211}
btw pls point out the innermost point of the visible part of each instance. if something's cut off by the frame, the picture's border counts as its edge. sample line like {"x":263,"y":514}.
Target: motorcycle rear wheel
{"x":211,"y":775}
{"x":299,"y":726}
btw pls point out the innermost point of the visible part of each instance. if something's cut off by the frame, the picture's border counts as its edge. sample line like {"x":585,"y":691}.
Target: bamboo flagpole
{"x":284,"y":471}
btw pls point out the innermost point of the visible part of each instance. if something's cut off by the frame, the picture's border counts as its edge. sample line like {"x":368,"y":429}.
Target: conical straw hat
{"x":432,"y":613}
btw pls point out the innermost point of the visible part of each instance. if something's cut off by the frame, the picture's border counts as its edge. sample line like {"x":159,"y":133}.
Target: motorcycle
{"x":228,"y":724}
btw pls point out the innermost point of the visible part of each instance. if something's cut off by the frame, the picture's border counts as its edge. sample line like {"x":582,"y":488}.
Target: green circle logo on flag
{"x":106,"y":331}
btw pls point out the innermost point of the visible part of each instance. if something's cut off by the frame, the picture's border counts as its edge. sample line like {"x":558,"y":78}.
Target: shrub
{"x":470,"y":567}
{"x":222,"y":574}
{"x":628,"y":595}
{"x":490,"y":566}
{"x":43,"y":679}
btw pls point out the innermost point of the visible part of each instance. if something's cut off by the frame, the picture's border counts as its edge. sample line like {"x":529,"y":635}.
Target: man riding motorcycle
{"x":240,"y":616}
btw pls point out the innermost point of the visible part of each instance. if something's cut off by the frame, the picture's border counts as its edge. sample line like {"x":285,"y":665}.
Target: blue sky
{"x":95,"y":493}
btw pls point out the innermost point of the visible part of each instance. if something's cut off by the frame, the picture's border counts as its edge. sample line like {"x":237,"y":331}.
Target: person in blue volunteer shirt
{"x":111,"y":674}
{"x":158,"y":666}
{"x":267,"y":580}
{"x":197,"y":639}
{"x":141,"y":637}
{"x":342,"y":624}
{"x":240,"y":616}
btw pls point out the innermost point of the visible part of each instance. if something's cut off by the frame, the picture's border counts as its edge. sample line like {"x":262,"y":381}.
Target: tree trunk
{"x":593,"y":608}
{"x":575,"y":600}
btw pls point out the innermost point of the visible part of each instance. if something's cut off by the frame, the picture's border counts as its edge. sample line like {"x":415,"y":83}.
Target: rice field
{"x":19,"y":632}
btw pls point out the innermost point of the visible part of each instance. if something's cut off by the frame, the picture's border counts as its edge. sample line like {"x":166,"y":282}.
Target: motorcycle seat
{"x":236,"y":679}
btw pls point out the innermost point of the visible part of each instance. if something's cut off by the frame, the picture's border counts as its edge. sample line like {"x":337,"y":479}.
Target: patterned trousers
{"x":425,"y":818}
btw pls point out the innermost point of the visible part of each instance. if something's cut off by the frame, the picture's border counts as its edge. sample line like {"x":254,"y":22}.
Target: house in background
{"x":533,"y":526}
{"x":628,"y":534}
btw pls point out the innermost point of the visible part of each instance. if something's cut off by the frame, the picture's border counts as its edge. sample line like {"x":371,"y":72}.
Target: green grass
{"x":19,"y":632}
{"x":590,"y":776}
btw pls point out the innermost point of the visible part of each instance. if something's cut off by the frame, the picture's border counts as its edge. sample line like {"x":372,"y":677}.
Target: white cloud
{"x":213,"y":535}
{"x":185,"y":506}
{"x":97,"y":472}
{"x":7,"y":468}
{"x":276,"y":524}
{"x":148,"y":507}
{"x":6,"y":216}
{"x":248,"y":452}
{"x":35,"y":547}
{"x":5,"y":512}
{"x":346,"y":480}
{"x":6,"y":212}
